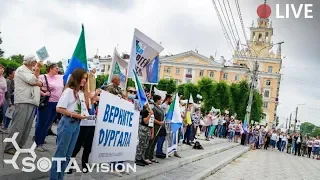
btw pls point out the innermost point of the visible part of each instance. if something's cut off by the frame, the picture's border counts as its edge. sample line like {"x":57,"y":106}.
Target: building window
{"x":177,"y":70}
{"x":265,"y":104}
{"x":236,"y":78}
{"x":176,"y":81}
{"x":269,"y":69}
{"x":168,"y":70}
{"x":268,"y":83}
{"x":211,"y":74}
{"x":266,"y":93}
{"x":189,"y":71}
{"x":225,"y":76}
{"x":108,"y":67}
{"x":201,"y":73}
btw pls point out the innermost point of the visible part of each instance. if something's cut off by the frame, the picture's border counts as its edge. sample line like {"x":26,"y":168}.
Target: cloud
{"x":120,"y":5}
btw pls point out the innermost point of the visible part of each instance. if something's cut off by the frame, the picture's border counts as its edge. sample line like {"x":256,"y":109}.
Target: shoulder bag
{"x":44,"y":99}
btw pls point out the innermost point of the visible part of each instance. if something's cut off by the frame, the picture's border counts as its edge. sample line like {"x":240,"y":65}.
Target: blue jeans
{"x":222,"y":131}
{"x":293,"y":146}
{"x":208,"y":128}
{"x":231,"y":135}
{"x":67,"y":135}
{"x":6,"y":120}
{"x":45,"y":118}
{"x":283,"y":145}
{"x":160,"y":142}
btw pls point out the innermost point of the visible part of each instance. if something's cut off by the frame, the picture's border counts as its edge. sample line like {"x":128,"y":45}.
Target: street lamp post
{"x":296,"y":119}
{"x":254,"y":79}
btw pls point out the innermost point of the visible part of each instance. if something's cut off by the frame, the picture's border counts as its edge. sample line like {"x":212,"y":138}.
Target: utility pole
{"x":290,"y":123}
{"x":287,"y":123}
{"x":295,"y":122}
{"x":253,"y":82}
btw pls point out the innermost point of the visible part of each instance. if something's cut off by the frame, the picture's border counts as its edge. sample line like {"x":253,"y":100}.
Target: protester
{"x":273,"y":139}
{"x":48,"y":113}
{"x":208,"y":125}
{"x":237,"y":131}
{"x":310,"y":145}
{"x":3,"y":89}
{"x":195,"y":123}
{"x":298,"y":140}
{"x":188,"y":123}
{"x":145,"y":134}
{"x":26,"y":99}
{"x":159,"y":115}
{"x":69,"y":106}
{"x":283,"y":142}
{"x":9,"y":100}
{"x":289,"y":144}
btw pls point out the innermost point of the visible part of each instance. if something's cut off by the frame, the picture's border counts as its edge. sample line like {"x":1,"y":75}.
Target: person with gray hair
{"x":26,"y":99}
{"x":113,"y":87}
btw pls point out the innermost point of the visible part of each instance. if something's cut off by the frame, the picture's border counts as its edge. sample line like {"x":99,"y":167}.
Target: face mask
{"x":131,"y":96}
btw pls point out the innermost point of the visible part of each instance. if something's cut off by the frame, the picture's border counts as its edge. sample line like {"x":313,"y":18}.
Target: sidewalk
{"x":8,"y":172}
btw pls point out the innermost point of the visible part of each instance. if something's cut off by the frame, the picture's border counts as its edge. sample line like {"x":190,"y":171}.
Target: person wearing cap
{"x":26,"y":99}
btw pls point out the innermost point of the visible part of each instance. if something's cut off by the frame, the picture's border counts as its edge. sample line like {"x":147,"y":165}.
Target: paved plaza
{"x":266,"y":165}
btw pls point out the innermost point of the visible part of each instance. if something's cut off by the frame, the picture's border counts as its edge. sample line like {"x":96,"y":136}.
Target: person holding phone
{"x":69,"y":106}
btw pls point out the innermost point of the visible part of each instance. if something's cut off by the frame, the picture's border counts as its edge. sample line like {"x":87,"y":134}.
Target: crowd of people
{"x":43,"y":98}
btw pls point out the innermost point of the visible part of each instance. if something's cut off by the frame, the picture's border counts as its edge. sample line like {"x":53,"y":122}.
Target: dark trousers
{"x":194,"y":132}
{"x":297,"y":149}
{"x":187,"y":135}
{"x":243,"y":138}
{"x":85,"y":139}
{"x":152,"y":144}
{"x":45,"y":118}
{"x":309,"y":151}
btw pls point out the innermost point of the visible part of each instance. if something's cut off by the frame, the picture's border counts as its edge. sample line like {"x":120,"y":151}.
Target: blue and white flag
{"x":144,"y":58}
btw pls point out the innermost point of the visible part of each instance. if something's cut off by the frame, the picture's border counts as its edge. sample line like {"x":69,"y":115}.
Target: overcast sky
{"x":180,"y":25}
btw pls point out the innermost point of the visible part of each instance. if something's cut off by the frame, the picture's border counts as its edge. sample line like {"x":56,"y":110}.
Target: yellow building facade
{"x":191,"y":66}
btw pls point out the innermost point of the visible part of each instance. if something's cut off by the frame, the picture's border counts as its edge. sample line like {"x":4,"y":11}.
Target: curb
{"x":208,"y":172}
{"x":12,"y":174}
{"x":156,"y":170}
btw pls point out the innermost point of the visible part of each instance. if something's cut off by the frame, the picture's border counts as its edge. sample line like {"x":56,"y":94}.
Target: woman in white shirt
{"x":70,"y":105}
{"x":283,"y":142}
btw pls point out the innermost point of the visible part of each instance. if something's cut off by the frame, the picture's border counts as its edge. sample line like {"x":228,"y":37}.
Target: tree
{"x":1,"y":51}
{"x":17,"y":58}
{"x":239,"y":98}
{"x":307,"y":128}
{"x":221,"y":96}
{"x":168,"y":85}
{"x":180,"y":90}
{"x":256,"y":108}
{"x":60,"y":64}
{"x":190,"y":88}
{"x":205,"y":86}
{"x":101,"y":79}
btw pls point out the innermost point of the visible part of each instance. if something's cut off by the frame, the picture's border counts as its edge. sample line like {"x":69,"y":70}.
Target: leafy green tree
{"x":221,"y":96}
{"x":190,"y":88}
{"x":206,"y":87}
{"x":307,"y":128}
{"x":168,"y":85}
{"x":101,"y":79}
{"x":180,"y":90}
{"x":60,"y":64}
{"x":1,"y":51}
{"x":239,"y":98}
{"x":315,"y":132}
{"x":17,"y":58}
{"x":256,"y":108}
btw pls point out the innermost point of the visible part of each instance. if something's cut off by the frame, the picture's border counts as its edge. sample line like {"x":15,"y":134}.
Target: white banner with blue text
{"x":116,"y":132}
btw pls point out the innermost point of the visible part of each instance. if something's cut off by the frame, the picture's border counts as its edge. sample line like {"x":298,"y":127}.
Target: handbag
{"x":44,"y":99}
